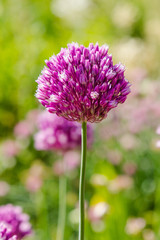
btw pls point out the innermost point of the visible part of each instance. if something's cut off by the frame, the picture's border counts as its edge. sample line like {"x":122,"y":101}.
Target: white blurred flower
{"x":158,"y":130}
{"x":135,"y":225}
{"x":158,"y":144}
{"x":74,"y":216}
{"x":97,"y":211}
{"x":121,"y":182}
{"x":148,"y":234}
{"x":152,"y":29}
{"x":124,"y":15}
{"x":128,"y":141}
{"x":114,"y":157}
{"x":130,"y":51}
{"x":70,"y":10}
{"x":99,"y":180}
{"x":98,"y":226}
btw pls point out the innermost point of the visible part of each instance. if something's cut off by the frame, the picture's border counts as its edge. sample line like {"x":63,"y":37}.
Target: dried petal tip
{"x":94,"y":95}
{"x":82,"y":84}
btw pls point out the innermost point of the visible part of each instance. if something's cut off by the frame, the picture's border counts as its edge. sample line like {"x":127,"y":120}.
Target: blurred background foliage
{"x":123,"y":166}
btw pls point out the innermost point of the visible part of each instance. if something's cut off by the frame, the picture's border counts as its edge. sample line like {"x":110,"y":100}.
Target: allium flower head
{"x":82,"y":84}
{"x":16,"y":219}
{"x":56,"y":133}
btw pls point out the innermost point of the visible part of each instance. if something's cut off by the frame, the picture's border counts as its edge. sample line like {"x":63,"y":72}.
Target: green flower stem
{"x":62,"y":207}
{"x":82,"y":181}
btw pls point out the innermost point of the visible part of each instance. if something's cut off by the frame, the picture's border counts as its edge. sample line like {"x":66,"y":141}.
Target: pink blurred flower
{"x":9,"y":148}
{"x":129,"y":168}
{"x":158,"y":130}
{"x":156,"y":109}
{"x":114,"y":156}
{"x":158,"y":144}
{"x":26,"y":127}
{"x":97,"y":211}
{"x":4,"y":188}
{"x":138,"y":118}
{"x":128,"y":141}
{"x":135,"y":225}
{"x":137,"y":74}
{"x":35,"y":176}
{"x":32,"y":116}
{"x":121,"y":182}
{"x":70,"y":161}
{"x":23,"y":129}
{"x":58,"y":168}
{"x":106,"y":131}
{"x":33,"y":183}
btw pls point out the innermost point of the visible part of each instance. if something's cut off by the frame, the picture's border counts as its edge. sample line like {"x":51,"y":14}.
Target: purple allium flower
{"x":56,"y":133}
{"x":16,"y":219}
{"x":82,"y":84}
{"x":6,"y":232}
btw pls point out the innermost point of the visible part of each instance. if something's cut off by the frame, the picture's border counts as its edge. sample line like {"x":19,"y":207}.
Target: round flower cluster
{"x":16,"y":222}
{"x":6,"y":233}
{"x":56,"y":133}
{"x":82,"y":84}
